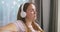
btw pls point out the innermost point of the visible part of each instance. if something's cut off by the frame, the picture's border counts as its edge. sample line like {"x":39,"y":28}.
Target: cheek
{"x":29,"y":14}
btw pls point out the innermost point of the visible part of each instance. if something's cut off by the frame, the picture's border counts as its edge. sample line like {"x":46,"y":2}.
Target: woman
{"x":25,"y":22}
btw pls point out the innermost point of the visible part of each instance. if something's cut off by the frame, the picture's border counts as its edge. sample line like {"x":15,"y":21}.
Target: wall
{"x":58,"y":15}
{"x":46,"y":11}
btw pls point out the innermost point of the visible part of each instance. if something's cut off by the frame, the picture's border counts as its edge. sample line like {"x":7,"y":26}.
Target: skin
{"x":31,"y":12}
{"x":10,"y":27}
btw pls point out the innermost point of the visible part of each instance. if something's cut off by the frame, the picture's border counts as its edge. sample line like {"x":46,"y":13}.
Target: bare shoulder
{"x":10,"y":26}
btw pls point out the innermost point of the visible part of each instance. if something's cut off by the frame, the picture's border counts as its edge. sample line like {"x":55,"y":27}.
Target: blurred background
{"x":8,"y":10}
{"x":48,"y":13}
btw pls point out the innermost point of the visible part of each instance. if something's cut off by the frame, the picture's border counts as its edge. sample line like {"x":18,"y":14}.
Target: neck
{"x":28,"y":22}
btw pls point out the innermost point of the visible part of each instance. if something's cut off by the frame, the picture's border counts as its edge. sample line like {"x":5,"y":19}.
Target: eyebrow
{"x":34,"y":9}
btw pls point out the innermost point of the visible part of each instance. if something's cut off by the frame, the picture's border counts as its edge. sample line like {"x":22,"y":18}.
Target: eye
{"x":31,"y":11}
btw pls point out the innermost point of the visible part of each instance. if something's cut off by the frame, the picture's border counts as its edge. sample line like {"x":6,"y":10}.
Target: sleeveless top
{"x":20,"y":26}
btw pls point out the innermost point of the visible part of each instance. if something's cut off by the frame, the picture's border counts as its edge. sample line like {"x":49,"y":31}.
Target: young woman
{"x":26,"y":20}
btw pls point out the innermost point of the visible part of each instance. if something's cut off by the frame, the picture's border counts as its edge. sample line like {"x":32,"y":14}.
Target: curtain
{"x":9,"y":10}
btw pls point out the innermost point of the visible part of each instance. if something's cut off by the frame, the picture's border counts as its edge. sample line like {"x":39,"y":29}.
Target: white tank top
{"x":20,"y":26}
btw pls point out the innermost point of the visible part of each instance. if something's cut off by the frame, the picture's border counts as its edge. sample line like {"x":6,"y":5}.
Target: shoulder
{"x":9,"y":27}
{"x":21,"y":24}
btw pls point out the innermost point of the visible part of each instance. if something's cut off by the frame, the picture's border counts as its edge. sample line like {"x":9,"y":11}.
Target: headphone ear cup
{"x":23,"y":14}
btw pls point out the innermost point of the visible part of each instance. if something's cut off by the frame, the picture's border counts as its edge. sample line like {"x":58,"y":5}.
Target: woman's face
{"x":31,"y":12}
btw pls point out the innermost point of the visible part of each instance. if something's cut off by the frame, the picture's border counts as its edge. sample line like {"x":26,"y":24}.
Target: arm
{"x":8,"y":28}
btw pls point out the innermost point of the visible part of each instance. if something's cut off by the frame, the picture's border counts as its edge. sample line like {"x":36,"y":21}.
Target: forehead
{"x":31,"y":6}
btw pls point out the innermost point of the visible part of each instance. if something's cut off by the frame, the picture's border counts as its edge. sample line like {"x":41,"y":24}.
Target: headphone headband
{"x":22,"y":7}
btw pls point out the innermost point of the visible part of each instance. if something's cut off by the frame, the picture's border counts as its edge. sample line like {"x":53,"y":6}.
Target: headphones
{"x":23,"y":14}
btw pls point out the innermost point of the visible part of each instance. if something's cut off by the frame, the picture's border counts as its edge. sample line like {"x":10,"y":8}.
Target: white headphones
{"x":23,"y":14}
